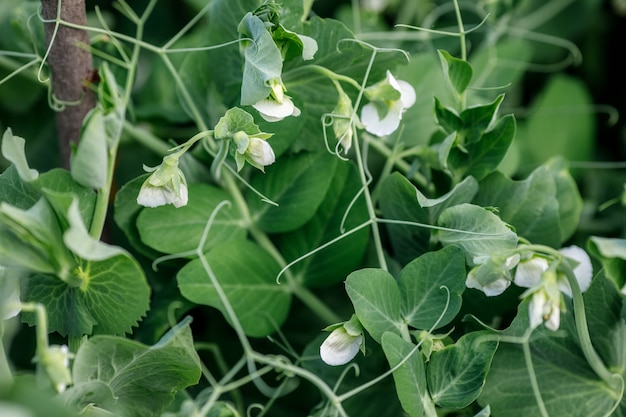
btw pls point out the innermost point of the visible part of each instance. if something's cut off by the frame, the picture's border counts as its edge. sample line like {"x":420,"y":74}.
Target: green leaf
{"x":247,"y":275}
{"x":561,"y":122}
{"x":79,"y":241}
{"x":332,"y":264}
{"x":32,"y":239}
{"x":113,"y":297}
{"x":89,"y":163}
{"x":421,"y":285}
{"x":400,"y":200}
{"x":476,"y":230}
{"x":174,"y":230}
{"x":13,"y":150}
{"x":143,"y":379}
{"x":568,"y":196}
{"x":611,"y":252}
{"x":125,"y":213}
{"x":58,"y":182}
{"x":25,"y":396}
{"x":484,"y":155}
{"x":529,"y":205}
{"x":16,"y":192}
{"x":376,"y":300}
{"x":298,"y":184}
{"x":457,"y":373}
{"x":410,"y":378}
{"x":568,"y":385}
{"x":237,"y":120}
{"x":457,"y":71}
{"x":477,"y":119}
{"x":447,"y":118}
{"x":607,"y":328}
{"x":262,"y":62}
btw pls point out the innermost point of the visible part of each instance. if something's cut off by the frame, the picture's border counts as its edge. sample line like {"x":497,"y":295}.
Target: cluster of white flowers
{"x":546,"y":283}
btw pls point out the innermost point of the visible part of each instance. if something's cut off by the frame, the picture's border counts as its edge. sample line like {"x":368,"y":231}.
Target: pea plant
{"x":271,"y":212}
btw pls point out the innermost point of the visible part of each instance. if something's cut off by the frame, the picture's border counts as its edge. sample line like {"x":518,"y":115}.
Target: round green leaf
{"x":376,"y":299}
{"x":113,"y":298}
{"x":421,"y":285}
{"x":247,"y":275}
{"x":173,"y":230}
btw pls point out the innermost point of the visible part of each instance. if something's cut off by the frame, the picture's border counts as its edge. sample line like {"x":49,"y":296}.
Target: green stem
{"x":370,"y":208}
{"x":459,"y":18}
{"x":533,"y":379}
{"x":104,"y":194}
{"x":613,"y":380}
{"x":6,"y":376}
{"x":295,"y":74}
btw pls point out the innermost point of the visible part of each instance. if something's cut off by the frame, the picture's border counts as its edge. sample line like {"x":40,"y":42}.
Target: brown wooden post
{"x":70,"y":65}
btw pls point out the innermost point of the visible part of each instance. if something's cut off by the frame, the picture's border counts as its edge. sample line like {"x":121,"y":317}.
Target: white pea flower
{"x":583,"y":271}
{"x":493,"y":275}
{"x":546,"y":285}
{"x":343,"y":343}
{"x":56,"y":361}
{"x":545,"y":306}
{"x":388,"y":101}
{"x":254,"y":150}
{"x":166,"y":185}
{"x":277,"y":105}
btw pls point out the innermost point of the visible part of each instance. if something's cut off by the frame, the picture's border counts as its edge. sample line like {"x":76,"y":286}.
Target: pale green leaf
{"x":262,"y":62}
{"x":529,"y":205}
{"x":457,"y":71}
{"x":457,"y":373}
{"x":410,"y":378}
{"x":89,"y":164}
{"x":421,"y":285}
{"x":13,"y":150}
{"x":79,"y":241}
{"x":401,"y":200}
{"x":113,"y":297}
{"x":376,"y":300}
{"x":476,"y":230}
{"x":143,"y":379}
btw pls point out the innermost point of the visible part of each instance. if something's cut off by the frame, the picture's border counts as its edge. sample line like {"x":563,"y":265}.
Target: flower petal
{"x":583,"y":271}
{"x":528,"y":273}
{"x":377,"y":126}
{"x":492,"y":289}
{"x":339,"y":347}
{"x":150,"y":196}
{"x":407,"y":94}
{"x":535,"y":308}
{"x":273,"y":111}
{"x":261,"y":152}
